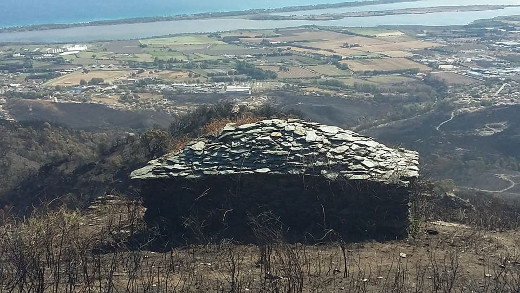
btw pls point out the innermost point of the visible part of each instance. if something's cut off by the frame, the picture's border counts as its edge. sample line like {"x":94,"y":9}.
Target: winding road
{"x":444,"y":122}
{"x":504,"y":177}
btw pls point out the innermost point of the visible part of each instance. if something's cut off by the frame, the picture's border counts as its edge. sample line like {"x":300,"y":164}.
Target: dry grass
{"x":173,"y":75}
{"x":312,"y":51}
{"x":305,"y":36}
{"x":386,"y":64}
{"x":399,"y":46}
{"x":396,"y":54}
{"x":389,"y":79}
{"x":215,"y":126}
{"x":65,"y":251}
{"x":291,"y":72}
{"x":454,"y":78}
{"x":75,"y":77}
{"x":329,"y":70}
{"x":393,"y":44}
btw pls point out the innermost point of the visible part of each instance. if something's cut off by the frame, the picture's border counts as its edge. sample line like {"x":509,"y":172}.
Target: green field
{"x":165,"y":55}
{"x":137,"y":57}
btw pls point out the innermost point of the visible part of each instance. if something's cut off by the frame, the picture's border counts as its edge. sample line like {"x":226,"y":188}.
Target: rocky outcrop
{"x":314,"y":179}
{"x":293,"y":147}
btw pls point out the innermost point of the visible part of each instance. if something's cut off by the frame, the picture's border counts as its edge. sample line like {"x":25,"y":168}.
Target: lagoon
{"x":162,"y":28}
{"x":400,"y":5}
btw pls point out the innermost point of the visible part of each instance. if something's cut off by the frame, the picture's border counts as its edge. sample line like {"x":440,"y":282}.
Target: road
{"x":504,"y":177}
{"x":444,"y":122}
{"x":500,"y":89}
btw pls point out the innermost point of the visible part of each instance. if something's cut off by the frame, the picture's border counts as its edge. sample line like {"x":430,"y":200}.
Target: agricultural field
{"x":305,"y":35}
{"x":372,"y":32}
{"x":123,"y":47}
{"x":362,"y":42}
{"x":291,"y":72}
{"x":250,"y":33}
{"x":143,"y":57}
{"x":329,"y":70}
{"x":224,"y":49}
{"x":74,"y":78}
{"x":294,"y":59}
{"x":166,"y":55}
{"x":406,"y":46}
{"x":351,"y":81}
{"x":312,"y":51}
{"x":180,"y":40}
{"x":90,"y":58}
{"x":386,"y":64}
{"x":454,"y":78}
{"x":353,"y":43}
{"x":396,"y":54}
{"x":172,"y":75}
{"x":389,"y":79}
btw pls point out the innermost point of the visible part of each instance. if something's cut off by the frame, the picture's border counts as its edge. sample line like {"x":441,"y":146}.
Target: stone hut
{"x":303,"y":179}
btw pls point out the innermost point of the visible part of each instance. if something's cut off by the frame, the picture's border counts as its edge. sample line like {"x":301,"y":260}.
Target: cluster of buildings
{"x":199,"y":88}
{"x":480,"y":57}
{"x":38,"y":53}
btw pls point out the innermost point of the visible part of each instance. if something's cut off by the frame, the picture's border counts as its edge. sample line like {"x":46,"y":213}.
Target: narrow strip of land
{"x":205,"y":15}
{"x":423,"y":10}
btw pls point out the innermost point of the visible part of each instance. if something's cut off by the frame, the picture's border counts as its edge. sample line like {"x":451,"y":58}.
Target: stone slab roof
{"x":287,"y":147}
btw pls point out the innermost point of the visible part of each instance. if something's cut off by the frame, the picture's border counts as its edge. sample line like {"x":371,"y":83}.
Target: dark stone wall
{"x":303,"y":208}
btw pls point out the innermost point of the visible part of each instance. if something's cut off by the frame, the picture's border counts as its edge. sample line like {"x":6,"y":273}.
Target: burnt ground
{"x":441,"y":257}
{"x":85,"y":115}
{"x":460,"y":149}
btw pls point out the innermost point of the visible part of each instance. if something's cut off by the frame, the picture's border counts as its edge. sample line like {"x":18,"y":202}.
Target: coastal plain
{"x":78,"y":115}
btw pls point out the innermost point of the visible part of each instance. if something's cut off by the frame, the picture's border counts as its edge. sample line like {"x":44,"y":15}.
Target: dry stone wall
{"x":312,"y":179}
{"x":307,"y":209}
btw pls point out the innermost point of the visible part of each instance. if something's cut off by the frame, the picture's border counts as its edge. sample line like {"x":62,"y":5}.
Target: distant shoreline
{"x":145,"y":30}
{"x":50,"y":26}
{"x":422,"y":10}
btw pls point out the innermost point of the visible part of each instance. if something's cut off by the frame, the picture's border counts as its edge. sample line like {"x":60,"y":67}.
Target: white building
{"x":238,"y":89}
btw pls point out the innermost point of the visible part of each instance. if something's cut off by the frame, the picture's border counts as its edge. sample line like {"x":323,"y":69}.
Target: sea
{"x":33,"y":12}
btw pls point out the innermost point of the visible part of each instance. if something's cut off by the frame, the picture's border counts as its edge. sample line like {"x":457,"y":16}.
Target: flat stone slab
{"x":287,"y":147}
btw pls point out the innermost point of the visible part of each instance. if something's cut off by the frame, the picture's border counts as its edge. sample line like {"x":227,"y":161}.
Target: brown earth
{"x":442,"y":257}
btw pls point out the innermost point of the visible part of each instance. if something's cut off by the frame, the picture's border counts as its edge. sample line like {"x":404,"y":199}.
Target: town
{"x":478,"y":63}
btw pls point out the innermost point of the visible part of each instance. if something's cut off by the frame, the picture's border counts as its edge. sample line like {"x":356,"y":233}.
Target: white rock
{"x":199,"y":146}
{"x":340,"y":149}
{"x":331,"y":130}
{"x":311,"y":136}
{"x":344,"y":137}
{"x":368,"y":164}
